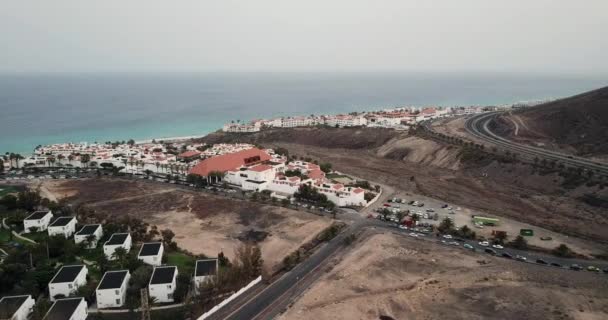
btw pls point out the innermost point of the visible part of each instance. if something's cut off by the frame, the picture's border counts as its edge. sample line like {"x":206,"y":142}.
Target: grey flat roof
{"x":37,"y":215}
{"x":163,"y":275}
{"x":10,"y":305}
{"x":61,"y":221}
{"x":62,"y":309}
{"x":206,"y":267}
{"x":112,"y":279}
{"x":89,"y":229}
{"x":149,"y":249}
{"x":117,"y":238}
{"x":67,"y":274}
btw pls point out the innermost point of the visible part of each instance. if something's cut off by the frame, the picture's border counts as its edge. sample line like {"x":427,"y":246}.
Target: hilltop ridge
{"x":578,"y":124}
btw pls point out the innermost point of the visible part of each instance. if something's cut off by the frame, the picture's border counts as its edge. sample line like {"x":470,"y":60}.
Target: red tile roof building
{"x":230,"y":162}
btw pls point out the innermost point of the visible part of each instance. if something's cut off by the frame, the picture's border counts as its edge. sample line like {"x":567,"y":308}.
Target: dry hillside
{"x":578,"y":124}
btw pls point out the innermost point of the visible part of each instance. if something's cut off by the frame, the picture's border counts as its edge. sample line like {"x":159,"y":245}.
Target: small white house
{"x":151,"y":253}
{"x":16,"y":307}
{"x":68,"y":309}
{"x":205,"y":270}
{"x":65,"y":226}
{"x":117,"y":240}
{"x":162,"y":284}
{"x":112,"y":289}
{"x":67,"y":281}
{"x":89,"y":234}
{"x":38,"y":221}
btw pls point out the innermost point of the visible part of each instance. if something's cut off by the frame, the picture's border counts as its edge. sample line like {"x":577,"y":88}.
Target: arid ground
{"x":203,"y":223}
{"x":388,"y":276}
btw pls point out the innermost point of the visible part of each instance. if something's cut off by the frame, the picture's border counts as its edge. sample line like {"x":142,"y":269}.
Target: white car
{"x":497,"y":246}
{"x":447,"y":236}
{"x":484,"y":243}
{"x":413,"y":234}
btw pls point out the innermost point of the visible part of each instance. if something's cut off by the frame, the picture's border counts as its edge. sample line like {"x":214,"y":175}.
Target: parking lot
{"x":432,"y":212}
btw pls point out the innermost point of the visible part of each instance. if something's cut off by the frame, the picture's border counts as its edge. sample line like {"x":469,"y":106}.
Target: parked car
{"x":541,"y":261}
{"x":490,"y":251}
{"x":468,"y":246}
{"x":521,"y":258}
{"x":576,"y":267}
{"x":546,"y":238}
{"x":593,"y":269}
{"x":507,"y":255}
{"x":484,"y":243}
{"x":447,"y":236}
{"x":497,"y":246}
{"x":555,"y":264}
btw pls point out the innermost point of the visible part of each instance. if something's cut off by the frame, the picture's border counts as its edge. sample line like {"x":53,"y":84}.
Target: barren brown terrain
{"x":577,"y":124}
{"x":387,"y":276}
{"x":515,"y":191}
{"x":203,"y":223}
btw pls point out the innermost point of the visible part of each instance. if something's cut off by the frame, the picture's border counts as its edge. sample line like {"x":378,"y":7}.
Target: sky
{"x":312,"y":35}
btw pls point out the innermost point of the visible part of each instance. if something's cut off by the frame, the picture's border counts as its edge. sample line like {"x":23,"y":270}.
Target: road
{"x":478,"y":126}
{"x":271,"y":301}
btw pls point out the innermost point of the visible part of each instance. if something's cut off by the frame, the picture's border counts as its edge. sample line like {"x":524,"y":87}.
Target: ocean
{"x":50,"y":108}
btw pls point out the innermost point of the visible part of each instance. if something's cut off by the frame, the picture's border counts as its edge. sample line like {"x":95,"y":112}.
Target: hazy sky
{"x":277,"y":35}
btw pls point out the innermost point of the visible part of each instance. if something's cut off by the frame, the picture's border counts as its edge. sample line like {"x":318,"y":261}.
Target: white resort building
{"x":67,"y":281}
{"x":163,"y":283}
{"x":117,"y":240}
{"x":37,"y":221}
{"x":89,"y":234}
{"x":64,"y":226}
{"x":112,"y":289}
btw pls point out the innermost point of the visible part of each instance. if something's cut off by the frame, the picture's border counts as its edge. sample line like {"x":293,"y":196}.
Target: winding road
{"x":478,"y":126}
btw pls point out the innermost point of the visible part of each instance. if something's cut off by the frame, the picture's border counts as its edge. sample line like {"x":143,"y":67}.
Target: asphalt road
{"x":478,"y":126}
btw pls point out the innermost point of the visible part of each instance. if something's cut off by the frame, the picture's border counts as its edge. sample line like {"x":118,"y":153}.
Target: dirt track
{"x":401,"y":278}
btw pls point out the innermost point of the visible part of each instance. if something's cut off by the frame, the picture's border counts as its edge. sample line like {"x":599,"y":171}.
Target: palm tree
{"x":84,"y":159}
{"x":120,"y":255}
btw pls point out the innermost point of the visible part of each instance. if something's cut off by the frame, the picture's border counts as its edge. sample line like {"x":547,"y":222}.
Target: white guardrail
{"x":229,"y":299}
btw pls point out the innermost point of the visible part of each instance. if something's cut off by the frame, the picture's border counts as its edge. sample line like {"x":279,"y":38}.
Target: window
{"x":170,"y":296}
{"x":70,"y":285}
{"x":168,"y":286}
{"x":117,"y":292}
{"x":117,"y":301}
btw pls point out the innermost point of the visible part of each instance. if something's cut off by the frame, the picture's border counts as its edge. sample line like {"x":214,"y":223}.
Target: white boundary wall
{"x":229,"y":299}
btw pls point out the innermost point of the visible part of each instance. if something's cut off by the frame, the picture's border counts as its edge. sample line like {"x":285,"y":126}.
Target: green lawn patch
{"x":183,"y":262}
{"x":4,"y":190}
{"x":336,"y":176}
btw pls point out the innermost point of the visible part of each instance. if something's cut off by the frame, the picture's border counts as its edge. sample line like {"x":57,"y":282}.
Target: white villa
{"x":117,"y":240}
{"x":94,"y":231}
{"x":38,"y":221}
{"x":68,"y":309}
{"x":65,"y":226}
{"x":204,"y":270}
{"x":151,"y":253}
{"x":163,"y":283}
{"x":112,"y":289}
{"x":16,"y":307}
{"x":67,"y":281}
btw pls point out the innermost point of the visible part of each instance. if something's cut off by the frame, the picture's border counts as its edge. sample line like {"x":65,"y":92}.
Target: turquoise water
{"x":50,"y":108}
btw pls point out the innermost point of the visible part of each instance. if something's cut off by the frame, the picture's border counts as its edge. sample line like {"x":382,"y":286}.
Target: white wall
{"x":163,"y":293}
{"x":82,"y":238}
{"x":67,"y":230}
{"x":24,"y":310}
{"x":154,"y":260}
{"x":106,"y":298}
{"x":41,"y":224}
{"x":81,"y":312}
{"x":68,"y":288}
{"x":109,"y":250}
